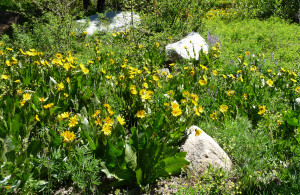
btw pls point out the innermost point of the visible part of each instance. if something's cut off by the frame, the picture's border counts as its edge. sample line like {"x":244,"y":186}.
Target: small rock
{"x":187,"y":48}
{"x":117,"y":22}
{"x":202,"y":151}
{"x":7,"y":19}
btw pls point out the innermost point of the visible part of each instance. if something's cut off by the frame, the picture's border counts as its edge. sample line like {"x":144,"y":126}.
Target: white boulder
{"x":202,"y":151}
{"x":187,"y":48}
{"x":116,"y":22}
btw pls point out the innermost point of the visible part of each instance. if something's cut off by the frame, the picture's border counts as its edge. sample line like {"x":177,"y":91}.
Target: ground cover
{"x":96,"y":114}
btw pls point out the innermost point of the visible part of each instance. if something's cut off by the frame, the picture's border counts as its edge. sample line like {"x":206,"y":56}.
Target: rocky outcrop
{"x":6,"y":20}
{"x":202,"y":151}
{"x":187,"y":48}
{"x":112,"y":22}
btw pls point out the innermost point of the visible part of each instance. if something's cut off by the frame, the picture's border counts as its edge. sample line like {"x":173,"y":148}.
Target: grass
{"x":105,"y":80}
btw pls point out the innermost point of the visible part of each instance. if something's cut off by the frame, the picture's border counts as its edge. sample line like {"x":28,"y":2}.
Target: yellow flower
{"x":203,"y":81}
{"x":172,"y":64}
{"x":85,"y":71}
{"x":247,"y":53}
{"x":230,"y":93}
{"x":48,"y":105}
{"x":133,"y":89}
{"x":198,"y":132}
{"x":141,"y":114}
{"x":22,"y":103}
{"x":145,"y":95}
{"x":295,"y":81}
{"x":26,"y":96}
{"x":140,"y":46}
{"x":37,"y":118}
{"x":122,"y":77}
{"x":58,"y":55}
{"x":176,"y":112}
{"x":108,"y":77}
{"x":215,"y":72}
{"x":270,"y":82}
{"x":223,"y":108}
{"x":98,"y":122}
{"x":199,"y":110}
{"x":203,"y":67}
{"x":65,"y":115}
{"x":155,"y":78}
{"x":297,"y":89}
{"x":4,"y":77}
{"x":253,"y":68}
{"x":68,"y":80}
{"x":97,"y":112}
{"x":68,"y":136}
{"x":60,"y":86}
{"x":106,"y":129}
{"x":8,"y":63}
{"x":170,"y":76}
{"x":17,"y":81}
{"x":73,"y":121}
{"x":279,"y":122}
{"x":213,"y":115}
{"x":108,"y":121}
{"x":121,"y":120}
{"x":103,"y":71}
{"x":66,"y":95}
{"x":42,"y":99}
{"x":245,"y":96}
{"x":262,"y":109}
{"x":157,"y":44}
{"x":110,"y":112}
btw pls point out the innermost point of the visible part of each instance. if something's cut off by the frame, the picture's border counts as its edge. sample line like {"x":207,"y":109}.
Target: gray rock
{"x":116,"y":22}
{"x":194,"y":43}
{"x":202,"y":151}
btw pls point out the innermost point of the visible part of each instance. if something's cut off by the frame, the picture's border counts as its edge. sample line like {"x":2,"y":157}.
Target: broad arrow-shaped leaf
{"x":130,"y":157}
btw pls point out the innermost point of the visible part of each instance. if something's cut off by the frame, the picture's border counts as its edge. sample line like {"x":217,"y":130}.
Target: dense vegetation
{"x":98,"y":114}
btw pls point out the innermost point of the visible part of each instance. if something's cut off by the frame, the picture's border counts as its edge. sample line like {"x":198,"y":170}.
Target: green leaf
{"x":292,"y":121}
{"x":171,"y":165}
{"x":130,"y":157}
{"x":107,"y":172}
{"x":15,"y":128}
{"x":139,"y":176}
{"x":89,"y":140}
{"x":56,"y":140}
{"x":34,"y":147}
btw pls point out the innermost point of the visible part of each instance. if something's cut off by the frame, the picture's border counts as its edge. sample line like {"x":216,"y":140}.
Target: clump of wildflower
{"x":68,"y":136}
{"x":176,"y":111}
